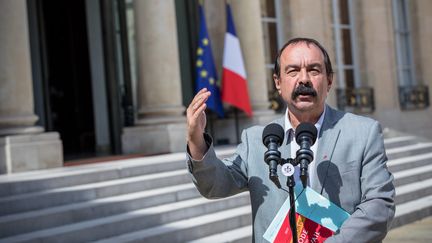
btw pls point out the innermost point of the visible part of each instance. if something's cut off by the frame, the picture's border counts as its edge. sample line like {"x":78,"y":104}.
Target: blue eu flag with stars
{"x":205,"y":68}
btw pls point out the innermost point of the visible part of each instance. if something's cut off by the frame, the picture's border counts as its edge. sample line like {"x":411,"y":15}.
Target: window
{"x":412,"y":94}
{"x":346,"y":48}
{"x":352,"y":94}
{"x":272,"y":34}
{"x":404,"y":54}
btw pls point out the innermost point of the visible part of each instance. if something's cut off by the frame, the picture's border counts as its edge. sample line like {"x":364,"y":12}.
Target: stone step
{"x":34,"y":181}
{"x":86,"y":192}
{"x":189,"y":229}
{"x":409,"y":162}
{"x":69,"y":176}
{"x":239,"y":235}
{"x":99,"y":208}
{"x":132,"y":221}
{"x":409,"y":150}
{"x":413,"y":191}
{"x":412,"y":211}
{"x":412,"y":175}
{"x":39,"y":200}
{"x":41,"y":180}
{"x":404,"y":194}
{"x":394,"y":142}
{"x":243,"y":234}
{"x":152,"y":199}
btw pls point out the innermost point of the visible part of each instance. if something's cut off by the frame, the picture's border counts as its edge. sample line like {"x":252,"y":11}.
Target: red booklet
{"x":317,"y":219}
{"x":307,"y":231}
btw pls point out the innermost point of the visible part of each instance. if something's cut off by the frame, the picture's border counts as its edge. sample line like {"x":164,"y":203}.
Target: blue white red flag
{"x":234,"y":80}
{"x":206,"y":75}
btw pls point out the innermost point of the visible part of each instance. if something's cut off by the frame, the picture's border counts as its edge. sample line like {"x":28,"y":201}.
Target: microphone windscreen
{"x":273,"y":130}
{"x":306,"y":129}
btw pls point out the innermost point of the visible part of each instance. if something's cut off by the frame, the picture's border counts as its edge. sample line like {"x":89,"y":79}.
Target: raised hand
{"x":196,"y":122}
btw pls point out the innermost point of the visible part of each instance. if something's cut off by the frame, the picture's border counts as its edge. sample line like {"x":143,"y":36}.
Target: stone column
{"x":23,"y":146}
{"x":160,"y":126}
{"x":319,"y":27}
{"x":378,"y":55}
{"x":422,"y":47}
{"x":247,"y":20}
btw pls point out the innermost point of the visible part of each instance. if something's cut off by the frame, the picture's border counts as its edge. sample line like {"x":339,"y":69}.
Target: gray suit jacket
{"x":351,"y":172}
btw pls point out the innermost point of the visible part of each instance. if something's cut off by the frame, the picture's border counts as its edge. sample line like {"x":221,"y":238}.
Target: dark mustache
{"x":303,"y":90}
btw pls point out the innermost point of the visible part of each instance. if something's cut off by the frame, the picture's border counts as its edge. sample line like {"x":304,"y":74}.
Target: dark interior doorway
{"x":69,"y":108}
{"x":81,"y":73}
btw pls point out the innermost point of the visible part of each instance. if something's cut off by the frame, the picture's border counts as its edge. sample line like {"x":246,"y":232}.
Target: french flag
{"x":234,"y":81}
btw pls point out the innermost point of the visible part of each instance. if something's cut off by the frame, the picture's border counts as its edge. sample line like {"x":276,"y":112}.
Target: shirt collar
{"x":318,"y":124}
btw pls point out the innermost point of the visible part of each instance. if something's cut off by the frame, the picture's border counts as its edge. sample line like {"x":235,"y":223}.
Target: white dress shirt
{"x":290,"y":133}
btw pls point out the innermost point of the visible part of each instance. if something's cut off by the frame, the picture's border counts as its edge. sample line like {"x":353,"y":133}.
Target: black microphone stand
{"x":292,"y":212}
{"x":273,"y":135}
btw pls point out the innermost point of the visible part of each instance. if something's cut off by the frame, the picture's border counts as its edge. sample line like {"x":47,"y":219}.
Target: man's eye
{"x":292,"y":72}
{"x":314,"y":72}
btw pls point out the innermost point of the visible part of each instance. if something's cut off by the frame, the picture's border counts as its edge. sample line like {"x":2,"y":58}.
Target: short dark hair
{"x":308,"y":41}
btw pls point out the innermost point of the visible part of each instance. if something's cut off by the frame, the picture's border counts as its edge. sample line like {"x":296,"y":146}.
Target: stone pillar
{"x":378,"y":55}
{"x":247,"y":20}
{"x":422,"y":47}
{"x":303,"y":25}
{"x":23,"y":146}
{"x":160,"y":126}
{"x":319,"y":27}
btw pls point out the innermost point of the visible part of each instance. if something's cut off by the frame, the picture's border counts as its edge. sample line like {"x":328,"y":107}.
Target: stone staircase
{"x":152,"y":199}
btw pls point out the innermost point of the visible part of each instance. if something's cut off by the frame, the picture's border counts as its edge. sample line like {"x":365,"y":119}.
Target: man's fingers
{"x":194,"y":115}
{"x":196,"y":97}
{"x":198,"y":101}
{"x":202,"y":90}
{"x":200,"y":111}
{"x":196,"y":110}
{"x":203,"y":94}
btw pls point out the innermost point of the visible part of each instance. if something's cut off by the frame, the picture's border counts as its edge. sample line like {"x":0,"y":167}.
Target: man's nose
{"x":304,"y":76}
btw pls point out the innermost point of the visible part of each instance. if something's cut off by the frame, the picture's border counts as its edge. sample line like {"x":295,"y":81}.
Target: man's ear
{"x":276,"y":81}
{"x":329,"y":82}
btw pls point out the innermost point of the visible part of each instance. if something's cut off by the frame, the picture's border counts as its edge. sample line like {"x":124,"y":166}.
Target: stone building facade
{"x":92,"y":78}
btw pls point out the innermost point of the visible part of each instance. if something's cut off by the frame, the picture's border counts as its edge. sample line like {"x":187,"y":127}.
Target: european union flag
{"x":205,"y":68}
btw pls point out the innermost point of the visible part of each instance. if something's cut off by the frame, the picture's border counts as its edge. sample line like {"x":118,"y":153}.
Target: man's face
{"x":303,"y":81}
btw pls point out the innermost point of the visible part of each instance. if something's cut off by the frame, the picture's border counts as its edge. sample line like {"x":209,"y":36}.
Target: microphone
{"x":272,"y":137}
{"x":306,"y":134}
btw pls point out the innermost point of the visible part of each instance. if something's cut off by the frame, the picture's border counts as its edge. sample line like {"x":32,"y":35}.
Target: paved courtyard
{"x":417,"y":232}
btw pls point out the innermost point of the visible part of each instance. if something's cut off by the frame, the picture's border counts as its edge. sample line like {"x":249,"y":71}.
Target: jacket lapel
{"x":328,"y":138}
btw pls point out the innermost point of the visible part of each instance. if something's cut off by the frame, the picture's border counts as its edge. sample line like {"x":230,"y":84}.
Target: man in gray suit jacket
{"x":350,"y":161}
